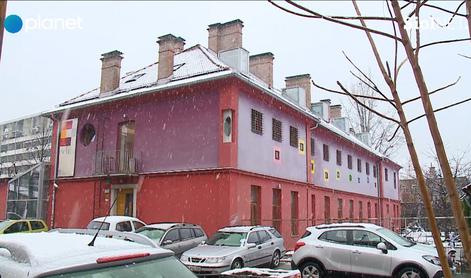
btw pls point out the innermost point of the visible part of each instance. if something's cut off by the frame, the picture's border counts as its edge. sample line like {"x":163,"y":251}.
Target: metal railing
{"x":117,"y":162}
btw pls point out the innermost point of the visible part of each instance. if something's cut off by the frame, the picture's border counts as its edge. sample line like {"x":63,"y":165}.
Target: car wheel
{"x":409,"y":272}
{"x":237,"y":263}
{"x":311,"y":270}
{"x":275,"y":259}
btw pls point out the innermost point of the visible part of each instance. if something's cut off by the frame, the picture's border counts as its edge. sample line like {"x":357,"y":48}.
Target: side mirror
{"x":168,"y":241}
{"x":382,"y":246}
{"x":250,"y":245}
{"x":203,"y":242}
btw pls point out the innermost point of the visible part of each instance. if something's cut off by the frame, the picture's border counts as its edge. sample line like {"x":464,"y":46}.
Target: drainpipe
{"x":308,"y":172}
{"x":55,"y":185}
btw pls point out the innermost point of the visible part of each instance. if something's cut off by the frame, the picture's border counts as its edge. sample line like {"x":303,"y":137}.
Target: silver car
{"x":236,"y":247}
{"x":365,"y":249}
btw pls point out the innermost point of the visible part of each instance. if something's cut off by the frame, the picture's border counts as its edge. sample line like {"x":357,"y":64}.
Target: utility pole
{"x":3,"y":11}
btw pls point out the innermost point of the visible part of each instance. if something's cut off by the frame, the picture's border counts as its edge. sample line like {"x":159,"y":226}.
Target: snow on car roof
{"x":49,"y":251}
{"x":345,"y":225}
{"x":241,"y":229}
{"x":168,"y":225}
{"x":116,"y":219}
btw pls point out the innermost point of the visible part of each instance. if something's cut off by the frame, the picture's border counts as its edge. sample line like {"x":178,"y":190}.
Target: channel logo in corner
{"x":13,"y":23}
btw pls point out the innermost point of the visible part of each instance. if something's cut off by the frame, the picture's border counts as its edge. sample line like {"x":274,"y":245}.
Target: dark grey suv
{"x":178,"y":237}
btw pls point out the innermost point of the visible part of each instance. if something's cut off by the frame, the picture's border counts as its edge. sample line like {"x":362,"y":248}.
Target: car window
{"x":198,"y":232}
{"x":233,"y":239}
{"x":17,"y":227}
{"x":264,"y":236}
{"x":95,"y":225}
{"x":337,"y":236}
{"x":37,"y":225}
{"x":152,"y":233}
{"x":253,"y":238}
{"x":124,"y":226}
{"x":365,"y":238}
{"x":137,"y":225}
{"x":185,"y":233}
{"x":172,"y":235}
{"x":275,"y":233}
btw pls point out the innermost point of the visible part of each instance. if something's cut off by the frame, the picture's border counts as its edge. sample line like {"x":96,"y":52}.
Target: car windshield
{"x":227,"y":239}
{"x":152,"y":233}
{"x":4,"y":224}
{"x":159,"y":268}
{"x":395,"y":237}
{"x":95,"y":225}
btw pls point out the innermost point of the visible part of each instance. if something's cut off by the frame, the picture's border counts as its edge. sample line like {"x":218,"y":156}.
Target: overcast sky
{"x":41,"y":68}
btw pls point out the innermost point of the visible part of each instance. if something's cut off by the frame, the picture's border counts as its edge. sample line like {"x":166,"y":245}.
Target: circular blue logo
{"x":13,"y":23}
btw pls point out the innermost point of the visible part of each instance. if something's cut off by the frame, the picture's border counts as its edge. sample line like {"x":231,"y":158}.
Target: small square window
{"x":293,"y":137}
{"x":326,"y":152}
{"x":326,"y":175}
{"x":338,"y":174}
{"x":277,"y":155}
{"x":257,"y":122}
{"x":276,"y":130}
{"x":301,"y":147}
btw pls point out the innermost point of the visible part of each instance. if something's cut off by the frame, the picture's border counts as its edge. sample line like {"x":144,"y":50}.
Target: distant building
{"x":24,"y":142}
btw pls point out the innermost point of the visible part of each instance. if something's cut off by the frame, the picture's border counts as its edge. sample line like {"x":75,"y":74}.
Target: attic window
{"x":135,"y":77}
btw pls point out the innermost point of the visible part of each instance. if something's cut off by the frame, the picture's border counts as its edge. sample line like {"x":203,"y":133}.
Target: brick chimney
{"x":169,"y":46}
{"x":225,"y":36}
{"x":110,"y":71}
{"x":261,"y":65}
{"x":335,"y":111}
{"x":303,"y":81}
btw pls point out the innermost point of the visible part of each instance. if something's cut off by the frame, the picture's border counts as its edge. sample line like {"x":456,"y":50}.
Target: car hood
{"x":211,"y":251}
{"x":424,"y":249}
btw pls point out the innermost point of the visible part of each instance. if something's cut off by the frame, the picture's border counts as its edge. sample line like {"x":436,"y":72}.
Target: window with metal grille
{"x":374,"y":171}
{"x":293,"y":137}
{"x":313,"y":152}
{"x":340,"y":210}
{"x":339,"y":157}
{"x":394,"y":177}
{"x":360,"y":210}
{"x":326,"y":209}
{"x":359,"y":165}
{"x":257,"y":122}
{"x":326,"y":152}
{"x":386,"y":178}
{"x":276,"y":130}
{"x":367,"y":166}
{"x":276,"y":210}
{"x":349,"y":162}
{"x":351,"y":210}
{"x":294,"y":213}
{"x":255,"y":207}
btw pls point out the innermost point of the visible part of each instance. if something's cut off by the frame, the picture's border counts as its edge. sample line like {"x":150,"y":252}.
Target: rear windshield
{"x":5,"y":224}
{"x":275,"y":233}
{"x":164,"y":267}
{"x":152,"y":233}
{"x":95,"y":225}
{"x":227,"y":239}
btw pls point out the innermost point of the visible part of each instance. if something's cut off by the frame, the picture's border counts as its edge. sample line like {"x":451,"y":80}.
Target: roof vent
{"x":321,"y":109}
{"x":296,"y":95}
{"x":237,"y":59}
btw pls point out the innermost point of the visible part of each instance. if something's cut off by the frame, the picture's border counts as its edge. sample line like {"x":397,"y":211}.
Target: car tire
{"x":311,"y":270}
{"x":237,"y":263}
{"x":409,"y":271}
{"x":275,"y":259}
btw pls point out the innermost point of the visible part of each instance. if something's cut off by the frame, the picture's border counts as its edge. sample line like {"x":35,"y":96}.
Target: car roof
{"x":345,"y":225}
{"x":242,"y":229}
{"x":168,"y":225}
{"x":53,"y":251}
{"x":115,"y":219}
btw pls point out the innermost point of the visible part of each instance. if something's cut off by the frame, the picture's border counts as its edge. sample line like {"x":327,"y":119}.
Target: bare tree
{"x":41,"y":144}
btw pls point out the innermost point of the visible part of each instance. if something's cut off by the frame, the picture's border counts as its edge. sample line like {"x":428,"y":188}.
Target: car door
{"x":171,"y":240}
{"x":334,"y":248}
{"x":253,"y":253}
{"x":366,"y":258}
{"x":268,"y":247}
{"x":187,"y":239}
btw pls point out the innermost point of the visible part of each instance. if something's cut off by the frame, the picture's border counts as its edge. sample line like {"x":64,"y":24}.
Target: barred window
{"x":276,"y":130}
{"x":257,"y":122}
{"x":313,"y":152}
{"x":374,"y":171}
{"x":349,"y":162}
{"x":367,"y":168}
{"x":326,"y":152}
{"x":359,"y":165}
{"x":293,"y":137}
{"x":339,"y":157}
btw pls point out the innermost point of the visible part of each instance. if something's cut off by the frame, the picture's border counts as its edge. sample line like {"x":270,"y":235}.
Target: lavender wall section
{"x":390,"y":191}
{"x":172,"y":133}
{"x":361,"y":182}
{"x":256,"y":152}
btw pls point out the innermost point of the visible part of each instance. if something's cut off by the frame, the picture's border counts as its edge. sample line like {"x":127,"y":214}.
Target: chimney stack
{"x":225,"y":36}
{"x":169,"y":46}
{"x":261,"y":65}
{"x":335,"y":111}
{"x":110,"y":71}
{"x":302,"y":81}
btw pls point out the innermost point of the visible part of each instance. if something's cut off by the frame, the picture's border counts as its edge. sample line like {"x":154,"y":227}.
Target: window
{"x":337,"y":236}
{"x":340,"y":209}
{"x":368,"y":208}
{"x":339,"y":157}
{"x":326,"y":209}
{"x":276,"y":130}
{"x":349,"y":162}
{"x":313,"y":209}
{"x":294,"y":213}
{"x":255,"y":208}
{"x":293,"y":137}
{"x":365,"y":239}
{"x":275,"y":233}
{"x":394,"y":180}
{"x":253,"y":238}
{"x":87,"y":134}
{"x":351,"y":210}
{"x":374,"y":171}
{"x":325,"y":152}
{"x":376,"y":210}
{"x":257,"y":122}
{"x":198,"y":232}
{"x":387,"y":210}
{"x":137,"y":225}
{"x":359,"y":165}
{"x":277,"y":155}
{"x":171,"y":236}
{"x":264,"y":236}
{"x":124,"y":226}
{"x":36,"y":225}
{"x":367,"y":168}
{"x":186,"y":233}
{"x":386,"y":174}
{"x":127,"y":132}
{"x":360,"y":210}
{"x":17,"y":227}
{"x":313,"y":149}
{"x":276,"y":210}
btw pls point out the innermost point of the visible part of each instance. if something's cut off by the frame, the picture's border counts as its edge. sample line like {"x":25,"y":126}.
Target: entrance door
{"x":124,"y":203}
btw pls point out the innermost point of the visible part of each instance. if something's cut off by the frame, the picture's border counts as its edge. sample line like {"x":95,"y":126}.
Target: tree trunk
{"x":468,"y":14}
{"x":3,"y":11}
{"x":435,"y":132}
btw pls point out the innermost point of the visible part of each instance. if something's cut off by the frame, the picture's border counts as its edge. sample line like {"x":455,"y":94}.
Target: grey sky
{"x":41,"y":68}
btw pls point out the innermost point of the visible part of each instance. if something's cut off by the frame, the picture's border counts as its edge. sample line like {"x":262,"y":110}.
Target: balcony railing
{"x":117,"y":163}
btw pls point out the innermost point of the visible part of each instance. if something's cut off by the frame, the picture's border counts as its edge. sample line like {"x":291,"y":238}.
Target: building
{"x":202,"y":136}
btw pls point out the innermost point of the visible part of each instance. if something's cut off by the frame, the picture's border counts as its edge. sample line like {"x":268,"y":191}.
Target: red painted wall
{"x":3,"y":197}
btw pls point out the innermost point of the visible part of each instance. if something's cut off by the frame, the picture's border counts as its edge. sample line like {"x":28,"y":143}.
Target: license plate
{"x":194,"y":268}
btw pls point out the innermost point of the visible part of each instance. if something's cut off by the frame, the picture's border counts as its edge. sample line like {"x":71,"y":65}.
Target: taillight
{"x":121,"y":258}
{"x":298,"y":245}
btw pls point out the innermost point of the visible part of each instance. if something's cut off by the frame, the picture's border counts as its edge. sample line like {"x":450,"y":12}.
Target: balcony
{"x":117,"y":163}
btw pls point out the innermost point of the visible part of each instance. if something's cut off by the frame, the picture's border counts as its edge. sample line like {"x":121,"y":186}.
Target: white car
{"x":116,"y":223}
{"x":365,"y":249}
{"x":58,"y":254}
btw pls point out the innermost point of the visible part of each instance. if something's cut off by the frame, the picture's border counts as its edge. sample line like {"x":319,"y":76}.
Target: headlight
{"x":215,"y":260}
{"x":432,"y":259}
{"x":184,"y":258}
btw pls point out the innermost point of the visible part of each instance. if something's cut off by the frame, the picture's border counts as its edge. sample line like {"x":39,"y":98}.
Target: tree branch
{"x":345,"y":94}
{"x":440,"y":109}
{"x":434,"y":91}
{"x":443,"y":42}
{"x":435,"y":7}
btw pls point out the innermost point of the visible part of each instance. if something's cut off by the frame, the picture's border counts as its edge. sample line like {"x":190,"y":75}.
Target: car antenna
{"x":92,"y":243}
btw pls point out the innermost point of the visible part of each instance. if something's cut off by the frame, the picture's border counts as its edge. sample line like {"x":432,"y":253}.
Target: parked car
{"x":365,"y":249}
{"x":58,"y":254}
{"x":116,"y":223}
{"x":22,"y":226}
{"x":236,"y":247}
{"x":178,"y":237}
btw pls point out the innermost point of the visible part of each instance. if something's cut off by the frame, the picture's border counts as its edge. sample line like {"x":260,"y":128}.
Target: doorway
{"x":125,"y":196}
